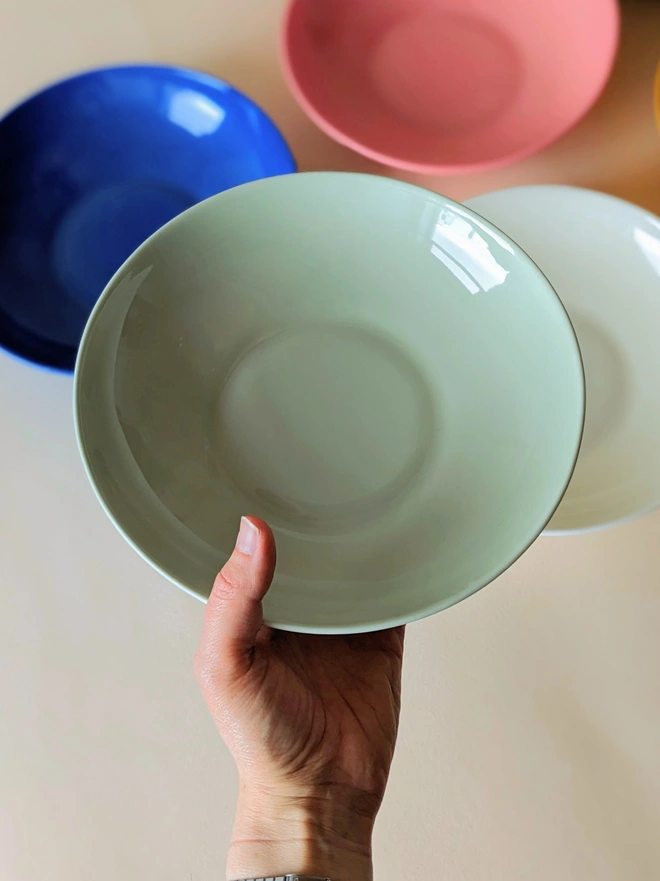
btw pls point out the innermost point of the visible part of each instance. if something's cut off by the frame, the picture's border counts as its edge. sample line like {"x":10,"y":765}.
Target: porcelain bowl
{"x":90,"y":167}
{"x":444,"y":86}
{"x":379,"y":373}
{"x":602,"y":255}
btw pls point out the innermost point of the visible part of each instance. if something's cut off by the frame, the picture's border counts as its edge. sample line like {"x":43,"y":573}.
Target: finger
{"x":234,"y":613}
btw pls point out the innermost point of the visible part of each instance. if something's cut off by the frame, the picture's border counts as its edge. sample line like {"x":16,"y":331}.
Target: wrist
{"x":324,"y":831}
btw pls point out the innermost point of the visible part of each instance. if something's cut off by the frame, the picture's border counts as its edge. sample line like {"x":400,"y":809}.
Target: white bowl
{"x":602,"y":256}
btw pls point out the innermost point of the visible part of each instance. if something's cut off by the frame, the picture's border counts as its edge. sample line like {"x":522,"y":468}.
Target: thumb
{"x":234,"y":613}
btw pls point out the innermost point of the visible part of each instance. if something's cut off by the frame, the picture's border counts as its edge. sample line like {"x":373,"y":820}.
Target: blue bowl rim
{"x":194,"y":75}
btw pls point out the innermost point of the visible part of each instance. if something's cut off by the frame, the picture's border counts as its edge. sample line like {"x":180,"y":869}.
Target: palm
{"x":329,"y":707}
{"x":301,"y":714}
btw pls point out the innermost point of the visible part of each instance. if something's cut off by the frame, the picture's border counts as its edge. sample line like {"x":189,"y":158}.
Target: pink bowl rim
{"x":437,"y":168}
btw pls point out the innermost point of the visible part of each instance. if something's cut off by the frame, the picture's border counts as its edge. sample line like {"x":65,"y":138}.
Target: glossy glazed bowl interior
{"x":441,"y":86}
{"x":602,"y":255}
{"x":93,"y":165}
{"x":372,"y":368}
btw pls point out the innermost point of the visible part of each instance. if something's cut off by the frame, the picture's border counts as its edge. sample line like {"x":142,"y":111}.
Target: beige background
{"x":531,"y":721}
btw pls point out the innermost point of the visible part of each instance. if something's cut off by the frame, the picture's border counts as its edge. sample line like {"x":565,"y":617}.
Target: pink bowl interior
{"x":444,"y":84}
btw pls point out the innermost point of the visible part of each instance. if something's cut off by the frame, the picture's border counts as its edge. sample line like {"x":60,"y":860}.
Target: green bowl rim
{"x":293,"y":627}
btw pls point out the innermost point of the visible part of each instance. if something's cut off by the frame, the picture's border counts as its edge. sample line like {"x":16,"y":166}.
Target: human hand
{"x":311,"y":722}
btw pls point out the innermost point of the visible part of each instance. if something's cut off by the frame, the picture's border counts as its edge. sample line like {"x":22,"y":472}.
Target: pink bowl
{"x":442,"y":86}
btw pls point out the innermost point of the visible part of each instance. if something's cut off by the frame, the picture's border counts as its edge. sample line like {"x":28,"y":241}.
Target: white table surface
{"x":531,"y":721}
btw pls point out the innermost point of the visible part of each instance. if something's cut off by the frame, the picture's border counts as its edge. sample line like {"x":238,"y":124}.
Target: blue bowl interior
{"x":90,"y":167}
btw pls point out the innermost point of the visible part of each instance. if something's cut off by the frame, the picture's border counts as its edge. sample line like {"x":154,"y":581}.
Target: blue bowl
{"x":93,"y":165}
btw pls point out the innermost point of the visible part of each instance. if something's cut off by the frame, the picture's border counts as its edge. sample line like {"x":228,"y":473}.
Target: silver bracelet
{"x":286,"y":878}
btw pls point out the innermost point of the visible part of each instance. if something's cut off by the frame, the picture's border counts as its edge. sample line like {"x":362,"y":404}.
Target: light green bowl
{"x":374,"y":369}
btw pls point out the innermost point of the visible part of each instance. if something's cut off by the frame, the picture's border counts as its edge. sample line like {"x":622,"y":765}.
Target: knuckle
{"x":227,"y":585}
